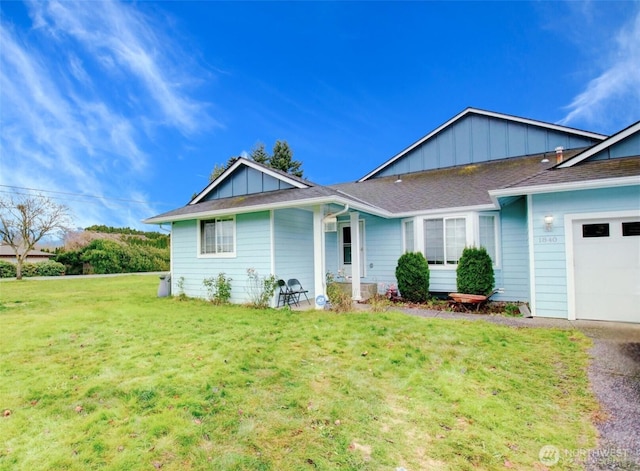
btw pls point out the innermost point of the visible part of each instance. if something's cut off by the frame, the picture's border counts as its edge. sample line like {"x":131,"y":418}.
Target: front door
{"x":346,"y":247}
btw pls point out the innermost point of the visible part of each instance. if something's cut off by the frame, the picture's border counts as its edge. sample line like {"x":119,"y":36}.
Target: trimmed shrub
{"x":71,"y":260}
{"x":412,"y":274}
{"x":50,"y":268}
{"x":474,"y":274}
{"x":29,"y":269}
{"x":7,"y":269}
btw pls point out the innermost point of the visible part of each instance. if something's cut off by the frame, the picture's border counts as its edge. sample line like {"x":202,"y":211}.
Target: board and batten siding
{"x":293,"y":246}
{"x":513,"y":273}
{"x":253,"y":250}
{"x":477,"y":138}
{"x":549,"y":247}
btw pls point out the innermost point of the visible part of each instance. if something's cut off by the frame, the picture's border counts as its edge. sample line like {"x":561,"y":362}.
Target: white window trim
{"x":363,"y":248}
{"x":199,"y":253}
{"x":472,"y":228}
{"x":497,"y":263}
{"x":403,"y":223}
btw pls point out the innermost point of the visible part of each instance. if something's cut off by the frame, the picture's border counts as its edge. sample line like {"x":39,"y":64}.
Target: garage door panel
{"x":606,"y":271}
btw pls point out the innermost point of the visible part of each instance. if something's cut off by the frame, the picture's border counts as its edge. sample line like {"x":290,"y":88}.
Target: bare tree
{"x":25,"y":221}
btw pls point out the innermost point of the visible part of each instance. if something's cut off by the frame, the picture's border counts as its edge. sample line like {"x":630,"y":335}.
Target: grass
{"x":102,"y":374}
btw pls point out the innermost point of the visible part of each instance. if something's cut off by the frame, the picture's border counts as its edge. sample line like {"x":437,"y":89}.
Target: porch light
{"x":548,"y":223}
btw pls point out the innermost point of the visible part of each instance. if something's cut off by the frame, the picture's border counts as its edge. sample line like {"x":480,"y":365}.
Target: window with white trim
{"x":409,"y":238}
{"x":217,"y":236}
{"x":487,"y":235}
{"x":444,"y":240}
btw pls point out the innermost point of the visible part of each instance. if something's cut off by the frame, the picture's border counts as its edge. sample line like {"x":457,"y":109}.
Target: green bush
{"x":474,"y":274}
{"x":108,"y":256}
{"x":218,"y":288}
{"x":71,"y":260}
{"x":50,"y":268}
{"x":412,"y":273}
{"x":7,"y":269}
{"x":29,"y":269}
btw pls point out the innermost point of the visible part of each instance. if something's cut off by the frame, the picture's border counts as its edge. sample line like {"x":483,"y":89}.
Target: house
{"x":33,"y":256}
{"x":557,"y":208}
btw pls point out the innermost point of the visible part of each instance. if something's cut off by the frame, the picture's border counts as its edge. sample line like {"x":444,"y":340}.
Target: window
{"x":409,"y":245}
{"x":595,"y":230}
{"x":487,"y":235}
{"x":444,"y":240}
{"x":630,"y":229}
{"x":217,"y":236}
{"x":346,"y":245}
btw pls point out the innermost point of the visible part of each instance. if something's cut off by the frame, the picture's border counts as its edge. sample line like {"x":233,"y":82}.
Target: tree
{"x":282,"y":159}
{"x":259,"y":154}
{"x":25,"y":221}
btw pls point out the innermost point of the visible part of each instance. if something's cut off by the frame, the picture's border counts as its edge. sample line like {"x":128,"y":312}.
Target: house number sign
{"x":548,"y":240}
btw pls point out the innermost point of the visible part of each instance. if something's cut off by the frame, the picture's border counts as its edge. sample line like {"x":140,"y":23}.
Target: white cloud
{"x":614,"y":95}
{"x":83,"y":93}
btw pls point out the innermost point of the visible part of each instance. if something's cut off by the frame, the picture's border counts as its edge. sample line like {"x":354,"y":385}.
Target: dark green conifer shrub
{"x":474,"y":274}
{"x":412,"y":274}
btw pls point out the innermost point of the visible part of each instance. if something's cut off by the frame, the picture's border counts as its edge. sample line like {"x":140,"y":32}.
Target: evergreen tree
{"x":259,"y":154}
{"x":282,"y":159}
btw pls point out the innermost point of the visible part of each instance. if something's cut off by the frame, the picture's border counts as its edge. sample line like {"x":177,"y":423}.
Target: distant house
{"x":33,"y":256}
{"x":557,"y":208}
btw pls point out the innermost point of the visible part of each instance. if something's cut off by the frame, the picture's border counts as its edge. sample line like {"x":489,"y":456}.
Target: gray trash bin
{"x":164,"y":289}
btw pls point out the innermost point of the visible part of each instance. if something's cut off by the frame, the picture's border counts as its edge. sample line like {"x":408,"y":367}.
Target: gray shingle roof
{"x":584,"y":171}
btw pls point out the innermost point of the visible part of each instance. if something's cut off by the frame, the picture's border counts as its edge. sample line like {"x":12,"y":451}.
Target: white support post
{"x":318,"y":256}
{"x":355,"y":256}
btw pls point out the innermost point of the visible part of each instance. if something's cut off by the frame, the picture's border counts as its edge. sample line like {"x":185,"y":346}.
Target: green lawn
{"x":100,"y":373}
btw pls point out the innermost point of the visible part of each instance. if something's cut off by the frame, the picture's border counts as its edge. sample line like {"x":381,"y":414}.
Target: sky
{"x":120,"y":110}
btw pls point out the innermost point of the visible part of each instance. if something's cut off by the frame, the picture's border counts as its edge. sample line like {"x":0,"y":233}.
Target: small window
{"x":217,"y":236}
{"x":631,"y":229}
{"x":595,"y":230}
{"x":409,"y":244}
{"x":487,"y":234}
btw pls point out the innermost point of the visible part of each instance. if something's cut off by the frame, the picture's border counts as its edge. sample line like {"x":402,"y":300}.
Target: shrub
{"x":412,"y":273}
{"x":474,"y":274}
{"x":7,"y":269}
{"x":260,"y":288}
{"x":29,"y":269}
{"x":50,"y":268}
{"x":339,"y":299}
{"x":218,"y":288}
{"x":72,"y":261}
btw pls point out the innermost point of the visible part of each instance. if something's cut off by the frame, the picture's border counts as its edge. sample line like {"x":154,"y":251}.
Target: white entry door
{"x":607,"y":269}
{"x":346,"y":248}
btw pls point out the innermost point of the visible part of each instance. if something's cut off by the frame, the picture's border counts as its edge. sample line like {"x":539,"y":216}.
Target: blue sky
{"x":121,"y":110}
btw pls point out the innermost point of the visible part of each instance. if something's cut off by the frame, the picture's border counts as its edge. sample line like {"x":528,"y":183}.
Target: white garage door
{"x":607,"y":269}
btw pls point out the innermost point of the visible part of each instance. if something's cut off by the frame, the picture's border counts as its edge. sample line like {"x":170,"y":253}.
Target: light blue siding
{"x":383,"y":244}
{"x":293,"y":243}
{"x":513,"y":274}
{"x":550,"y":246}
{"x":478,"y":138}
{"x":253,"y":245}
{"x":245,"y":181}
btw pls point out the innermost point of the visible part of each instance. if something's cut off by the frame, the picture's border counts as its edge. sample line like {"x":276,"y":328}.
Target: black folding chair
{"x":284,"y":295}
{"x":296,"y":290}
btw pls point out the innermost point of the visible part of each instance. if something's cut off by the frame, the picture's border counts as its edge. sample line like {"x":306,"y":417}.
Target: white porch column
{"x":318,"y":255}
{"x":355,"y":256}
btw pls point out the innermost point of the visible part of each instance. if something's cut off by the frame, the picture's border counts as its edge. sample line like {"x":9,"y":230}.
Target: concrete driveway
{"x":614,"y":374}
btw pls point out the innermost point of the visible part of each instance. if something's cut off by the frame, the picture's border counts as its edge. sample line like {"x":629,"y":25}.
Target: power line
{"x":106,"y":198}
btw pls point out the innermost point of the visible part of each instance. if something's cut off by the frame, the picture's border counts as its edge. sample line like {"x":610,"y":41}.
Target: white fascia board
{"x":248,"y":163}
{"x":559,"y":187}
{"x":271,"y":206}
{"x":634,"y":128}
{"x":460,"y":209}
{"x":491,"y":114}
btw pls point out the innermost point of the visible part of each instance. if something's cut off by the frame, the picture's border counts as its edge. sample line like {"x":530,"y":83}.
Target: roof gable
{"x":475,"y":136}
{"x":625,"y":143}
{"x":246,"y":177}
